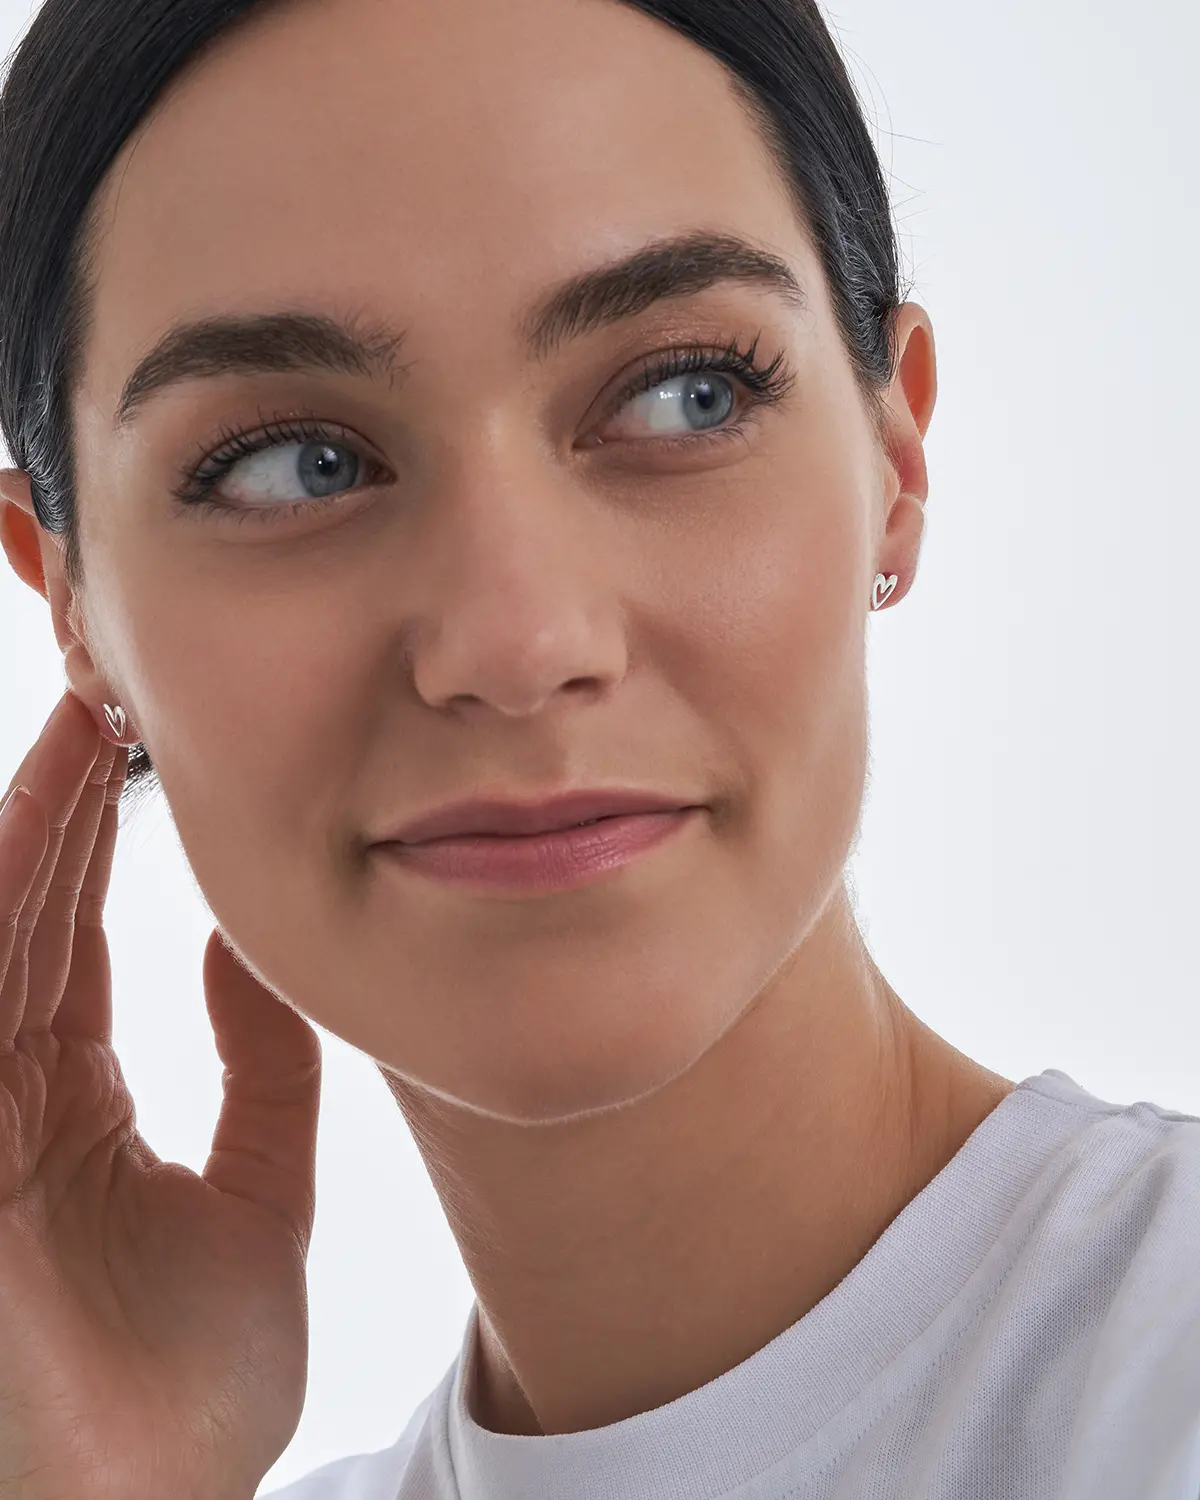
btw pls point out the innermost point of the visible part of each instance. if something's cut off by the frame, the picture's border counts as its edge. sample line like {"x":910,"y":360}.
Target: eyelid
{"x":227,"y":438}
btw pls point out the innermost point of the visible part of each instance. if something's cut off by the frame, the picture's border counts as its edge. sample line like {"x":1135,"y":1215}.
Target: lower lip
{"x":556,"y":861}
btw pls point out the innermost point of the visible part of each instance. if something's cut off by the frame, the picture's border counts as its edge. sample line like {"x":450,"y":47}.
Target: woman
{"x":441,"y":427}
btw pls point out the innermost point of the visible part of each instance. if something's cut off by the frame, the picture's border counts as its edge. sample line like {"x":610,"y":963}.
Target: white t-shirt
{"x":1027,"y":1328}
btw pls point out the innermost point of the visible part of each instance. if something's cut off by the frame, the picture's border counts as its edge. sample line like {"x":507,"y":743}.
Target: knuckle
{"x":60,"y":903}
{"x":89,"y":910}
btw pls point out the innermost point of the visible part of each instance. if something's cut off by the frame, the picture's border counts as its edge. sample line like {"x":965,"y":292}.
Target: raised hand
{"x":153,"y":1322}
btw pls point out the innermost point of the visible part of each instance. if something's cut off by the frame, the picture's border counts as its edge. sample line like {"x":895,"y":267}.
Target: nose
{"x":522,"y":599}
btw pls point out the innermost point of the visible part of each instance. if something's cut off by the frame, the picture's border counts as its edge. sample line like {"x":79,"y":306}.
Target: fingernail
{"x":11,"y":798}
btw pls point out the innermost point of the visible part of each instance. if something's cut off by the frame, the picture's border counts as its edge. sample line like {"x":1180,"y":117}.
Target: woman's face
{"x":508,"y":576}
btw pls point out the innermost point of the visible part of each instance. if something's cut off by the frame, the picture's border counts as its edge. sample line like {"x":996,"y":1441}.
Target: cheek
{"x":777,"y":620}
{"x":238,"y":679}
{"x":770,"y":596}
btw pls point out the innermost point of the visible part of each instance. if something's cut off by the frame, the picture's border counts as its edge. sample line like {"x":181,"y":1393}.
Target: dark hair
{"x":87,"y":72}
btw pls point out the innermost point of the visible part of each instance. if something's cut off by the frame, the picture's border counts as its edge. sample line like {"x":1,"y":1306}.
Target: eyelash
{"x":768,"y":385}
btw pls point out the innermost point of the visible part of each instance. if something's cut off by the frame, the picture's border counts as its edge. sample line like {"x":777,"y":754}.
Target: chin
{"x":583,"y":1057}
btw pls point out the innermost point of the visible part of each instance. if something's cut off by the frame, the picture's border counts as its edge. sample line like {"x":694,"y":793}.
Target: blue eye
{"x":320,"y":468}
{"x":698,"y":385}
{"x":705,"y":401}
{"x":288,"y":466}
{"x":319,"y":462}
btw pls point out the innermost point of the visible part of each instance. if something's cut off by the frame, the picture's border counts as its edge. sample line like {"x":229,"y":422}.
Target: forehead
{"x":400,"y":154}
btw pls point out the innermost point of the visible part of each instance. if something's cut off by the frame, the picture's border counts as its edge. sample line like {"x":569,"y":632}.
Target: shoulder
{"x":1117,"y":1237}
{"x":1138,"y":1164}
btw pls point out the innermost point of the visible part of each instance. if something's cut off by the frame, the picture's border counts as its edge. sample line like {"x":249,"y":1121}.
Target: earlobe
{"x":900,"y":548}
{"x":90,"y":684}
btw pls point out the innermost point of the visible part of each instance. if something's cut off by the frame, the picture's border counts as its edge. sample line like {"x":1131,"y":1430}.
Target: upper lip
{"x":499,"y":817}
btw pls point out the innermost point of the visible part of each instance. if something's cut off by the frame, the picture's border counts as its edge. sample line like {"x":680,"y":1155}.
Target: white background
{"x":1026,"y":873}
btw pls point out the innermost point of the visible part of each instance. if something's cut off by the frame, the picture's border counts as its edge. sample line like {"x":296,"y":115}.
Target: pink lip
{"x":541,"y":862}
{"x":492,"y":816}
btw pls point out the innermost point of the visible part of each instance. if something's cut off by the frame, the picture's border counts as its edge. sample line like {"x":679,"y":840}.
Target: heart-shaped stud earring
{"x":884,"y":589}
{"x":116,"y":720}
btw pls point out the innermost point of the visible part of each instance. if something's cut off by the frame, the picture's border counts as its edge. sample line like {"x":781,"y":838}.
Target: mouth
{"x":541,"y":832}
{"x":548,"y":860}
{"x":493,"y":817}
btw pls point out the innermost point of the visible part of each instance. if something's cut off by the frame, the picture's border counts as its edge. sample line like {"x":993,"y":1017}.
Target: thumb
{"x":264,"y":1146}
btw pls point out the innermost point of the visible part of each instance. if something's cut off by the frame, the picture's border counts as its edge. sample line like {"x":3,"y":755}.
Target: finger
{"x":69,"y":719}
{"x":55,"y":770}
{"x":264,"y":1147}
{"x":52,"y":947}
{"x":23,"y":840}
{"x":86,"y":1005}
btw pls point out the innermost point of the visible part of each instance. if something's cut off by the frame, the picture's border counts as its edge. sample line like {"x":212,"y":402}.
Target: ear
{"x":909,"y":402}
{"x":19,"y":529}
{"x":36,"y":556}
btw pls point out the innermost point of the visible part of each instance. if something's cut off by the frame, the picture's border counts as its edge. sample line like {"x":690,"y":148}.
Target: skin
{"x":693,"y":1067}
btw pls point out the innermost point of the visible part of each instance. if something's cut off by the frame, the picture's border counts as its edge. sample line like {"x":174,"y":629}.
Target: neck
{"x":624,"y":1260}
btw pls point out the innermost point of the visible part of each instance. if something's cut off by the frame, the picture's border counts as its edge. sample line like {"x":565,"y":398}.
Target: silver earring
{"x":884,"y":589}
{"x":116,"y":720}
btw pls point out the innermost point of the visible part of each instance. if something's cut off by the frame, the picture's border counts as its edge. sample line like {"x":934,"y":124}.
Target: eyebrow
{"x":361,"y":345}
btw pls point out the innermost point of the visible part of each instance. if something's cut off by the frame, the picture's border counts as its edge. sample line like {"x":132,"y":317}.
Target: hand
{"x":153,"y":1323}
